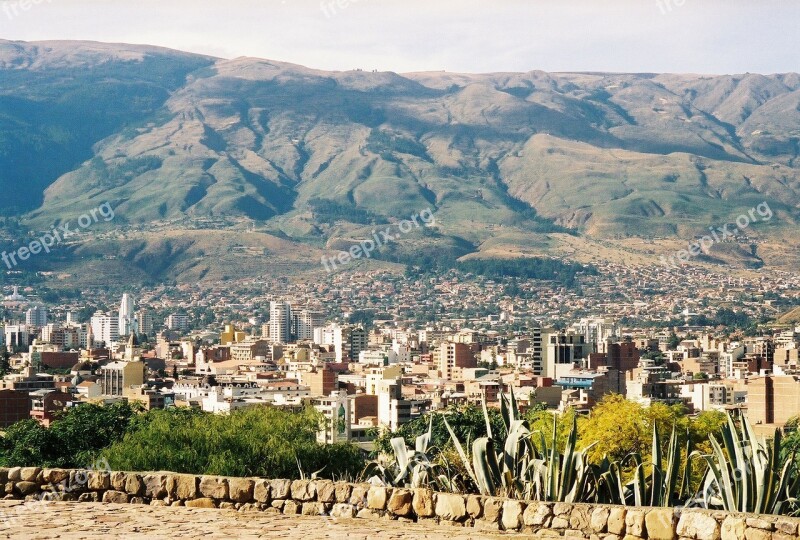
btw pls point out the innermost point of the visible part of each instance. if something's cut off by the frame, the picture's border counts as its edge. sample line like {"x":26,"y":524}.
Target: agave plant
{"x":745,"y":473}
{"x":660,"y":488}
{"x":517,"y":468}
{"x":410,"y":467}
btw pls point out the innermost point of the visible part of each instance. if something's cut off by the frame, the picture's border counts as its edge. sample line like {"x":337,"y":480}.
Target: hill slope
{"x":503,"y":158}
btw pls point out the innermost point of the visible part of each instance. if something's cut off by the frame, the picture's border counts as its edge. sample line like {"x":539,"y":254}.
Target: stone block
{"x":358,"y":495}
{"x":99,"y":481}
{"x":214,"y":487}
{"x":203,"y":502}
{"x":634,"y":523}
{"x":313,"y":509}
{"x":757,"y":534}
{"x":537,"y":514}
{"x":660,"y":524}
{"x":92,"y":496}
{"x":760,"y":523}
{"x":377,"y":497}
{"x":54,"y":476}
{"x":598,"y":521}
{"x":474,"y":506}
{"x":699,"y":526}
{"x":303,"y":490}
{"x":227,"y":505}
{"x":241,"y":489}
{"x":400,"y":503}
{"x":733,"y":528}
{"x":451,"y":507}
{"x":616,"y":520}
{"x":492,"y":509}
{"x":580,"y":518}
{"x":155,"y":485}
{"x":117,"y":480}
{"x":183,"y":486}
{"x":279,"y":489}
{"x":342,"y":492}
{"x":786,"y":526}
{"x":423,"y":503}
{"x":134,"y":485}
{"x":343,"y":511}
{"x":26,"y":488}
{"x":29,"y":474}
{"x":512,"y":515}
{"x":113,"y":496}
{"x":15,"y":474}
{"x":291,"y":508}
{"x":368,"y":513}
{"x":261,"y":491}
{"x":326,"y":491}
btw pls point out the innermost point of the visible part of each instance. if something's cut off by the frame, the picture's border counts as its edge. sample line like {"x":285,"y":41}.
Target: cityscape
{"x":403,"y":270}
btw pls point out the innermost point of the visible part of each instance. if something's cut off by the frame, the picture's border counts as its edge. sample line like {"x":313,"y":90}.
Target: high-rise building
{"x":145,"y":321}
{"x":36,"y":316}
{"x":16,"y":336}
{"x":280,"y":322}
{"x":105,"y":328}
{"x":127,"y":318}
{"x":359,"y":341}
{"x":178,"y":321}
{"x":305,"y":321}
{"x":455,"y":355}
{"x":564,"y":349}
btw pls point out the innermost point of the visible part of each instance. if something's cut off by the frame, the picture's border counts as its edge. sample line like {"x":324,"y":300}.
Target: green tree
{"x":254,"y":441}
{"x":5,"y":361}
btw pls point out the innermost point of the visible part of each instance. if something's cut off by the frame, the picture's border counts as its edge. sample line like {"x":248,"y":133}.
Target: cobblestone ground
{"x":94,"y":520}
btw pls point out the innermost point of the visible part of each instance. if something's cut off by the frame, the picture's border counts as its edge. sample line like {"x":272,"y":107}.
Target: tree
{"x":254,"y":441}
{"x":5,"y":361}
{"x":74,"y":439}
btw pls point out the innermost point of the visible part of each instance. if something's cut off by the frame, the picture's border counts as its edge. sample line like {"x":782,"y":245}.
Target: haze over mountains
{"x":510,"y":162}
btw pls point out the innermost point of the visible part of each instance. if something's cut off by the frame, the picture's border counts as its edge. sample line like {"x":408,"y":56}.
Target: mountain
{"x":511,"y":163}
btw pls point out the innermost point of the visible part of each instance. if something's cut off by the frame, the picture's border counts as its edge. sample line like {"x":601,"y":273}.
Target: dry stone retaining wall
{"x":344,"y":500}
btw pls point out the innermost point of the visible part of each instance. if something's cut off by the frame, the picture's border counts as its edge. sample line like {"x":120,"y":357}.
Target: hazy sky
{"x":698,"y":36}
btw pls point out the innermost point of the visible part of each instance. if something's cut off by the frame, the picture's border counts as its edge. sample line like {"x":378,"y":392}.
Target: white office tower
{"x":305,"y":323}
{"x":280,"y":322}
{"x":127,"y":318}
{"x":36,"y":316}
{"x":105,"y":328}
{"x":144,"y":320}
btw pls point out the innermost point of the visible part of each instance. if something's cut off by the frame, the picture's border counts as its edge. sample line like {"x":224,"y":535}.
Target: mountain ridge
{"x":498,"y":156}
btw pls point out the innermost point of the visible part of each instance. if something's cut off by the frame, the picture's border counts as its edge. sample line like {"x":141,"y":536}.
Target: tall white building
{"x":178,"y":321}
{"x":36,"y":316}
{"x":280,"y":322}
{"x":145,"y":321}
{"x":105,"y":328}
{"x":306,"y":321}
{"x":127,"y":318}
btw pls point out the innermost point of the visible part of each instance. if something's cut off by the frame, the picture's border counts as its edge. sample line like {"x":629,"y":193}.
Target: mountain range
{"x":580,"y":165}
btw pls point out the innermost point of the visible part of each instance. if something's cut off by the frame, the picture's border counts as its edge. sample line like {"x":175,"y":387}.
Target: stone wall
{"x":344,"y":500}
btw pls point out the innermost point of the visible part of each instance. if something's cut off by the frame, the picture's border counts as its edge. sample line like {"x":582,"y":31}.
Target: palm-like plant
{"x":515,"y":467}
{"x":411,"y":467}
{"x":660,"y":488}
{"x":745,"y":472}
